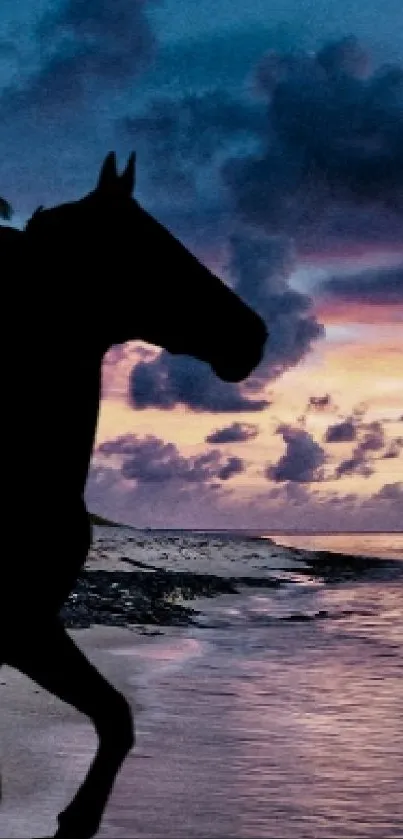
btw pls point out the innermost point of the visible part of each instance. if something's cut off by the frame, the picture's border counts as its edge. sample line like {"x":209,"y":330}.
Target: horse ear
{"x":108,"y":175}
{"x":128,"y":177}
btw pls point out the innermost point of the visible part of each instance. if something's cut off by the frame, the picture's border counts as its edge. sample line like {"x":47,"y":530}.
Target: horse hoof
{"x":72,"y":827}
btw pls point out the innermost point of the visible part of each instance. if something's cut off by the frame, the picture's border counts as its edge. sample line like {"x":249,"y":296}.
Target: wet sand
{"x":47,"y":746}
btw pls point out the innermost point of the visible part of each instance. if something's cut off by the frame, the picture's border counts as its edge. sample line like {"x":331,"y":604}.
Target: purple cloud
{"x":395,"y":448}
{"x":302,"y":460}
{"x":234,"y":466}
{"x":151,"y":460}
{"x":341,"y":432}
{"x":171,"y":380}
{"x":372,"y":440}
{"x":235,"y":433}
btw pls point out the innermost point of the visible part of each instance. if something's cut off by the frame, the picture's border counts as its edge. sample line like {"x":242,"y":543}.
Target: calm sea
{"x":383,"y":545}
{"x":280,"y":715}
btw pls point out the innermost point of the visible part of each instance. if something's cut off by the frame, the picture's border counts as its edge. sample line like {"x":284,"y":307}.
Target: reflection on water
{"x":273,"y":727}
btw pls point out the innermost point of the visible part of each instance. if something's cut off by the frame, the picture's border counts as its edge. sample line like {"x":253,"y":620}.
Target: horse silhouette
{"x":97,"y":272}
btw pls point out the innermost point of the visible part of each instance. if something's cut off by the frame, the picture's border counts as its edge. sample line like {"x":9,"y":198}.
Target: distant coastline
{"x":104,"y":522}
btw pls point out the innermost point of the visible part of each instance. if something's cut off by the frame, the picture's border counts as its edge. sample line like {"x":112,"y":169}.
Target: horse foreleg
{"x":47,"y":654}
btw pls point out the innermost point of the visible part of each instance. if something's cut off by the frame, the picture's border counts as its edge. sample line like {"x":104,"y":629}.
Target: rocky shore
{"x":124,"y":598}
{"x":157,"y":596}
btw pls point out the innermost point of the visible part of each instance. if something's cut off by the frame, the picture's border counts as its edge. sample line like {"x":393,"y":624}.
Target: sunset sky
{"x":269,"y":140}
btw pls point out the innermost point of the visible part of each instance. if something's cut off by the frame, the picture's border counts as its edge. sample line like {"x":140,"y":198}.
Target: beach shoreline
{"x":156,"y":579}
{"x":244,"y":707}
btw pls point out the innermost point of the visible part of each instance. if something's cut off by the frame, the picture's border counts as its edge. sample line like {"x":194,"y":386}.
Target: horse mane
{"x":34,"y":217}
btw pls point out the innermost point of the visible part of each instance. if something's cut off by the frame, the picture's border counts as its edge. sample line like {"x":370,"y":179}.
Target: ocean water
{"x":279,"y":715}
{"x":385,"y":545}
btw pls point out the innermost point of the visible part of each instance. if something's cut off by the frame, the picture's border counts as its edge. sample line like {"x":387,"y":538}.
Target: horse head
{"x":152,"y":287}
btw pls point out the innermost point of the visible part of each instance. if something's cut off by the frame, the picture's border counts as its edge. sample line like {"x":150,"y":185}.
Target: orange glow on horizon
{"x":332,"y":311}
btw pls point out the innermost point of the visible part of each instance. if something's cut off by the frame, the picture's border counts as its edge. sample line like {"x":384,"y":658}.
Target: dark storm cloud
{"x":300,"y":171}
{"x":302,"y":460}
{"x":57,"y":117}
{"x":92,"y":45}
{"x":378,"y":285}
{"x":236,"y":433}
{"x":86,"y":49}
{"x":175,"y":380}
{"x":259,"y":268}
{"x":151,"y":460}
{"x":333,"y":163}
{"x":90,"y":54}
{"x":341,"y":432}
{"x":179,"y":139}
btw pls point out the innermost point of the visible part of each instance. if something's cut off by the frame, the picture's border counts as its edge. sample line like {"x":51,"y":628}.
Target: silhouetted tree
{"x":6,"y":210}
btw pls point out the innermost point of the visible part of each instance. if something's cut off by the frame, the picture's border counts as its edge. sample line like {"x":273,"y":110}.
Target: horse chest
{"x":52,"y":419}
